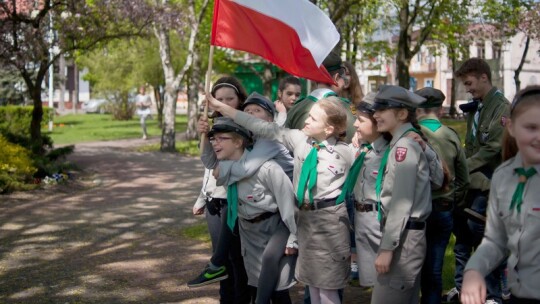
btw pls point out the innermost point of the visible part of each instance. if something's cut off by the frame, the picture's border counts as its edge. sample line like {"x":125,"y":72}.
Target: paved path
{"x":114,"y":236}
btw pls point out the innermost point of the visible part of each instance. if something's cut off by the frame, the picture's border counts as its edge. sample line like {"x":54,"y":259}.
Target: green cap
{"x":332,"y":62}
{"x":434,"y":98}
{"x":391,"y":96}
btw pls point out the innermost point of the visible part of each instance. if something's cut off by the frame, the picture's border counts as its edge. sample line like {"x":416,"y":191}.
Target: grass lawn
{"x":460,"y":125}
{"x":76,"y":128}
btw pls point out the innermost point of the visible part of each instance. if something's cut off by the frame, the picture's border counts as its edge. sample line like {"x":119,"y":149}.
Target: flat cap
{"x":332,"y":62}
{"x":260,"y":100}
{"x":434,"y":98}
{"x":391,"y":96}
{"x":227,"y":125}
{"x":366,"y":105}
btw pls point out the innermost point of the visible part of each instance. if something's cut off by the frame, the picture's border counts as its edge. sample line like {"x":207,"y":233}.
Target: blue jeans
{"x":438,"y":230}
{"x":469,"y":234}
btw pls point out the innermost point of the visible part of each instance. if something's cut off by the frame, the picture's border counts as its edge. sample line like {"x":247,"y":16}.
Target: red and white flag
{"x":292,"y":34}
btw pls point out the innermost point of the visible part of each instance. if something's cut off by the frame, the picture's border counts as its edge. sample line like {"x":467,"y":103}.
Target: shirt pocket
{"x":257,"y":193}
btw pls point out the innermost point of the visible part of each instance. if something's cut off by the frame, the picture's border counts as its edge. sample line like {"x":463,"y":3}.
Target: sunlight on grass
{"x":449,"y":266}
{"x":197,"y":232}
{"x":189,"y":148}
{"x":77,"y":128}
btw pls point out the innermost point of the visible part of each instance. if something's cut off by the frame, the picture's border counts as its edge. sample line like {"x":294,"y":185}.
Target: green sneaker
{"x":209,"y":276}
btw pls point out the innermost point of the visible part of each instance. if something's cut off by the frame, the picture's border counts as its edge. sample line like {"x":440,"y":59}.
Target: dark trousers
{"x":516,"y":300}
{"x":469,"y":233}
{"x":438,"y":230}
{"x":227,"y":253}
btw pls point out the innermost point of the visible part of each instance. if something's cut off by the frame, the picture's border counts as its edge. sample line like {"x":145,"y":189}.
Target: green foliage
{"x":15,"y":122}
{"x":12,"y":87}
{"x":16,"y":167}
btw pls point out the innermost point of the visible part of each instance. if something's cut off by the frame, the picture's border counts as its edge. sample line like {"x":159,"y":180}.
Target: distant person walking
{"x":143,"y":103}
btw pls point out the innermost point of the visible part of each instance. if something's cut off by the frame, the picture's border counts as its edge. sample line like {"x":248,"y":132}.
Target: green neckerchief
{"x":308,"y":175}
{"x":432,"y":124}
{"x":380,"y":174}
{"x":350,"y":181}
{"x":232,"y":202}
{"x":517,"y":198}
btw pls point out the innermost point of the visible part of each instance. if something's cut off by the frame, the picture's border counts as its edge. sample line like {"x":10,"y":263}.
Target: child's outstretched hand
{"x":473,"y":290}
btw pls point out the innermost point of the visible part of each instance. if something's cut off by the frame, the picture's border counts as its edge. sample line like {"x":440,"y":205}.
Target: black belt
{"x":320,"y":204}
{"x":442,"y":205}
{"x":218,"y":201}
{"x":415,"y":225}
{"x":261,"y":217}
{"x":361,"y":207}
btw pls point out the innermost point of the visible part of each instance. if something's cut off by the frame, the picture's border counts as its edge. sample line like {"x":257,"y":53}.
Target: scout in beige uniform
{"x":513,"y":218}
{"x":439,"y":224}
{"x":264,"y":206}
{"x":362,"y":176}
{"x":321,"y":162}
{"x":405,"y":196}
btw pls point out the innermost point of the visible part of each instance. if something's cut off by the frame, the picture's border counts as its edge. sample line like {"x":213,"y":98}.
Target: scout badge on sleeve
{"x":401,"y":153}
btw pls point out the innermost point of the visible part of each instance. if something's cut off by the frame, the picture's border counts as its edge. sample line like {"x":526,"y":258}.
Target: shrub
{"x":16,"y":167}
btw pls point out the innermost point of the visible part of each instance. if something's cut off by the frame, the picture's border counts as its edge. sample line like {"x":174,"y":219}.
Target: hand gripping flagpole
{"x":207,"y":91}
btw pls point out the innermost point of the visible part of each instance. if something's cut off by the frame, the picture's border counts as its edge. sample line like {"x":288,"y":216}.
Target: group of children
{"x":278,"y":197}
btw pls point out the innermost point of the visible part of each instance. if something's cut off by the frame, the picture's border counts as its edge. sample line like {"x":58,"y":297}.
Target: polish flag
{"x":292,"y":34}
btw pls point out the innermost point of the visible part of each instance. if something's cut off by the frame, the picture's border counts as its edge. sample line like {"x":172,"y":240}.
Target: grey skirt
{"x":254,"y":237}
{"x":324,"y":247}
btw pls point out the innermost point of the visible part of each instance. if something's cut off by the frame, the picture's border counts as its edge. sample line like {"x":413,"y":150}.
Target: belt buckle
{"x":307,"y":207}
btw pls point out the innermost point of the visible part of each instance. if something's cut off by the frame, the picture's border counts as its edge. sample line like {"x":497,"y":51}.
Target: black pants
{"x":226,"y":245}
{"x":515,"y":300}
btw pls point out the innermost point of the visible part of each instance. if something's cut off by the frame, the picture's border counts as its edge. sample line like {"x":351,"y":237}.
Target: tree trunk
{"x":521,"y":63}
{"x":158,"y":96}
{"x":403,"y":57}
{"x":453,"y":110}
{"x":168,"y":134}
{"x":75,"y":97}
{"x":37,"y":118}
{"x":34,"y":88}
{"x":193,"y":97}
{"x":62,"y":82}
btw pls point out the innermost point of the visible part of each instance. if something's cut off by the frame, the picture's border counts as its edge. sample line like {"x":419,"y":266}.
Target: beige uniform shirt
{"x":334,"y":160}
{"x":510,"y":232}
{"x":364,"y":190}
{"x":406,"y":190}
{"x":269,"y":190}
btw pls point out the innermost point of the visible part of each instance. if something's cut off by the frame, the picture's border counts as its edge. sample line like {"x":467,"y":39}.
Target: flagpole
{"x":207,"y":91}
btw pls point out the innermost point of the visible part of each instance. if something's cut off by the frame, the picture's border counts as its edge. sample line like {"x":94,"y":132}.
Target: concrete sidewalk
{"x":113,"y":236}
